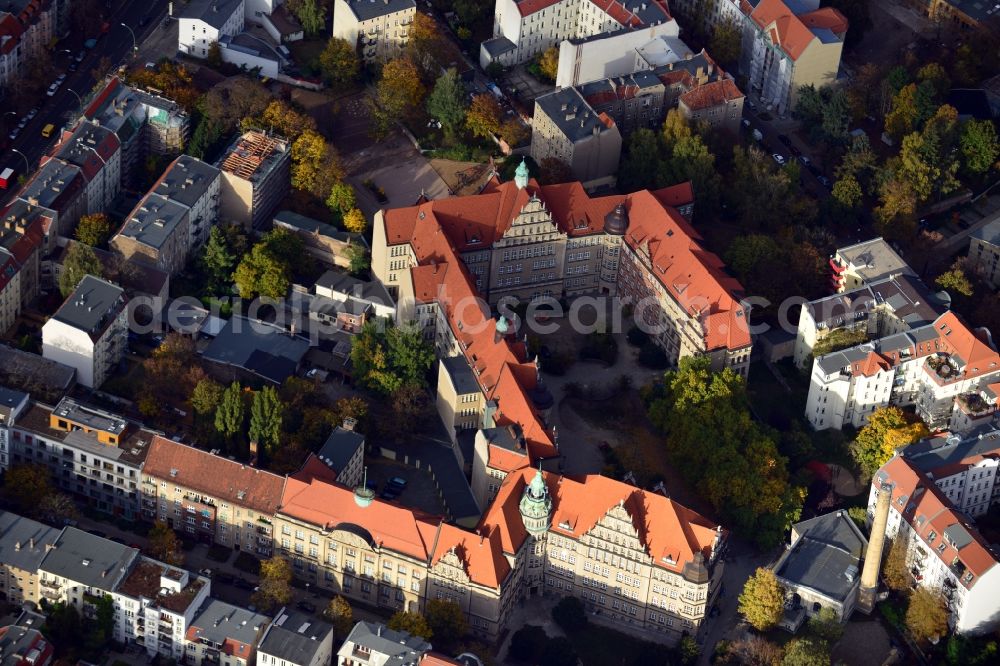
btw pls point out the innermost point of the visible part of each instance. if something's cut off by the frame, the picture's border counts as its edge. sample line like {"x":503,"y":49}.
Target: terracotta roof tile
{"x":785,"y":28}
{"x":214,"y":476}
{"x":480,"y":554}
{"x":711,"y":94}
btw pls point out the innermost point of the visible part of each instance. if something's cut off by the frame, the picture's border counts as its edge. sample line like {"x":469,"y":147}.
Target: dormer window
{"x":940,"y":547}
{"x":931,"y":536}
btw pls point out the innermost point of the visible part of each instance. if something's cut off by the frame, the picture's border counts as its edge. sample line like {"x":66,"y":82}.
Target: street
{"x":62,"y":107}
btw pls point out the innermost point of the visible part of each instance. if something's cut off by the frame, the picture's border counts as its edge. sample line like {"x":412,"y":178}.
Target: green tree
{"x":386,"y":358}
{"x":762,"y":600}
{"x":230,"y":414}
{"x":355,"y":221}
{"x":955,"y":280}
{"x":261,"y":273}
{"x":548,"y":63}
{"x":94,"y":230}
{"x":527,"y":643}
{"x":358,"y":258}
{"x":339,"y":62}
{"x":895,"y":573}
{"x":484,"y":116}
{"x":341,"y":615}
{"x":315,"y":166}
{"x":726,"y":43}
{"x":163,"y":544}
{"x":342,"y":198}
{"x":25,"y":487}
{"x":414,"y":624}
{"x":80,"y":261}
{"x":218,"y":260}
{"x":559,"y":651}
{"x":275,"y":583}
{"x":860,"y":163}
{"x":206,"y":397}
{"x":266,"y":412}
{"x":860,"y":517}
{"x":926,"y":615}
{"x":886,"y":430}
{"x":980,"y":147}
{"x":934,"y":74}
{"x":847,"y":192}
{"x":570,"y":614}
{"x":902,"y":119}
{"x":214,"y":56}
{"x":640,"y":166}
{"x":446,"y":621}
{"x":825,"y":625}
{"x":446,"y":102}
{"x":688,"y":650}
{"x":806,"y":652}
{"x":312,"y":15}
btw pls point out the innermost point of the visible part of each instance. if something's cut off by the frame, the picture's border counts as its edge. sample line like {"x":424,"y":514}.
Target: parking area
{"x":518,"y":83}
{"x":420,"y":492}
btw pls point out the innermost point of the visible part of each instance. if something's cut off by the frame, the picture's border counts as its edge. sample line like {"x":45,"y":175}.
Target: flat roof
{"x":988,"y":233}
{"x":253,"y":155}
{"x":89,"y":560}
{"x":91,"y":417}
{"x":154,"y":220}
{"x":298,"y":222}
{"x":874,"y":259}
{"x":10,"y":399}
{"x":186,"y":180}
{"x":92,"y":305}
{"x":52,"y":182}
{"x":294,"y":637}
{"x":943,"y":451}
{"x":217,"y":621}
{"x":400,"y":646}
{"x":132,"y":449}
{"x":461,"y":375}
{"x":145,"y":581}
{"x":367,"y":290}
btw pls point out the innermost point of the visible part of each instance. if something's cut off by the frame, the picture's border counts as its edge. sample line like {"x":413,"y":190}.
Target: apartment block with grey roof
{"x":866,"y":262}
{"x":380,"y":29}
{"x":194,"y":184}
{"x":80,"y":568}
{"x":566,"y":128}
{"x":57,"y":190}
{"x":984,"y":252}
{"x":296,"y":639}
{"x":374,"y":643}
{"x":220,"y":629}
{"x":23,"y":545}
{"x":97,"y":151}
{"x":157,"y":232}
{"x":89,"y":331}
{"x":12,"y":405}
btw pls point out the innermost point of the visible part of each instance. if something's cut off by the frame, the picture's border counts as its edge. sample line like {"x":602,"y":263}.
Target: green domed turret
{"x":521,"y":175}
{"x":536,"y":506}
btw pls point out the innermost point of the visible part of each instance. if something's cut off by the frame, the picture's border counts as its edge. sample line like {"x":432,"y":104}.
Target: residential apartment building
{"x":328,"y":244}
{"x":821,"y":567}
{"x":712,"y":13}
{"x":255,"y":178}
{"x":157,"y":231}
{"x":89,"y":332}
{"x":875,"y":310}
{"x":963,"y":466}
{"x":344,"y":303}
{"x":22,"y":240}
{"x":864,"y":263}
{"x":524,"y":28}
{"x":196,"y":186}
{"x":375,"y":644}
{"x":379,"y":29}
{"x":296,"y":639}
{"x":790,"y":45}
{"x":90,"y":453}
{"x":964,"y":14}
{"x":583,"y":125}
{"x":202,"y":23}
{"x":23,"y":545}
{"x":343,"y":453}
{"x":210,"y":498}
{"x":459,"y":397}
{"x":26,"y":31}
{"x":145,"y":123}
{"x":97,"y":152}
{"x":80,"y":568}
{"x":12,"y":405}
{"x":566,"y":129}
{"x":936,"y":369}
{"x":604,"y":56}
{"x":945,"y":553}
{"x":25,"y":646}
{"x":984,"y":252}
{"x":55,"y":193}
{"x":154,"y":606}
{"x":224,"y":635}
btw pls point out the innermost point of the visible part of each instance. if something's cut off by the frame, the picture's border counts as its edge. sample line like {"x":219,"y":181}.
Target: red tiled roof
{"x":919,"y":501}
{"x":481,"y":556}
{"x":785,"y":28}
{"x":826,"y":17}
{"x":10,"y":33}
{"x":956,"y":338}
{"x":676,"y":196}
{"x":711,"y":94}
{"x":214,"y":476}
{"x":102,"y":97}
{"x":432,"y":659}
{"x":665,"y":528}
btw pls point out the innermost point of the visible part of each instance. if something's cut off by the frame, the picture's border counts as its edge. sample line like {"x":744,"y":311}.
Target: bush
{"x":570,"y":615}
{"x":636,"y":337}
{"x":652,"y":357}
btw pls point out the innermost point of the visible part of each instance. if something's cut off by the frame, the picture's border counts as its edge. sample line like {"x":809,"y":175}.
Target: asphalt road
{"x":64,"y":105}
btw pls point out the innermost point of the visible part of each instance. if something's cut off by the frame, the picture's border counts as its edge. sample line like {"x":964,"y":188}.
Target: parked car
{"x":779,"y":158}
{"x":805,"y":160}
{"x":80,"y":56}
{"x":306,"y":606}
{"x":73,"y":66}
{"x":746,"y":123}
{"x":31,"y":114}
{"x":389,"y":493}
{"x":824,"y":181}
{"x":398,"y":482}
{"x":207,"y":573}
{"x":52,"y":89}
{"x":13,"y":133}
{"x":61,"y":78}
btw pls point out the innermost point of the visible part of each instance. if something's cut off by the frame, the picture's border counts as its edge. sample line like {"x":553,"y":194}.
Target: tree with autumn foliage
{"x":548,"y":63}
{"x":888,"y":429}
{"x":355,"y":221}
{"x":275,"y":580}
{"x":927,"y":615}
{"x":762,"y":600}
{"x":398,"y":92}
{"x":339,"y":62}
{"x":315,"y":165}
{"x":94,"y":229}
{"x":484,"y":116}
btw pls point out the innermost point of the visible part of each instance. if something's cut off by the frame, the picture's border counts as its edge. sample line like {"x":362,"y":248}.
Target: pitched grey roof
{"x":340,"y":447}
{"x":261,"y":348}
{"x":9,"y":401}
{"x":216,"y":621}
{"x":89,"y":560}
{"x":294,"y":637}
{"x":934,"y":453}
{"x":93,"y":304}
{"x":213,"y":12}
{"x":366,"y":10}
{"x":368,"y":290}
{"x":498,"y":46}
{"x":989,"y":233}
{"x":402,"y":648}
{"x":827,"y":555}
{"x":154,"y":220}
{"x":570,"y":112}
{"x":23,"y":541}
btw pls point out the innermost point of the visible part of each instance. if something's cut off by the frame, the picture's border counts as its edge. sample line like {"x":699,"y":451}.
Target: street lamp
{"x":78,"y":98}
{"x":135,"y":48}
{"x":27,"y":164}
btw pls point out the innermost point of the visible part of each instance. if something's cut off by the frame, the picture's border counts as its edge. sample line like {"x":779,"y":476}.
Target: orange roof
{"x":826,"y":17}
{"x":873,"y":364}
{"x":314,"y":468}
{"x":711,"y":94}
{"x":677,"y":196}
{"x":432,"y":659}
{"x":789,"y":31}
{"x":693,"y":276}
{"x":481,"y":556}
{"x":212,"y":475}
{"x":957,"y":339}
{"x":919,"y":501}
{"x":671,"y":533}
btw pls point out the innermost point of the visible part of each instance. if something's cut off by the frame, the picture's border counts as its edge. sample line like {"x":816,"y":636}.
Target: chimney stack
{"x":868,"y":593}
